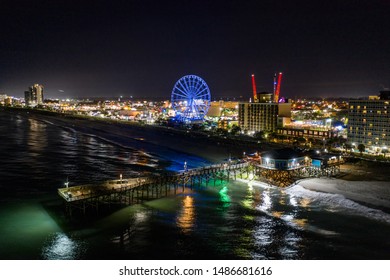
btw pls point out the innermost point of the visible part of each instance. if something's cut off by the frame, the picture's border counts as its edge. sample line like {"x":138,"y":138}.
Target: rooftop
{"x":285,"y":153}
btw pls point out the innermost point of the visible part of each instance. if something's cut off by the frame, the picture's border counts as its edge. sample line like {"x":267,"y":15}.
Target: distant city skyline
{"x":141,"y":48}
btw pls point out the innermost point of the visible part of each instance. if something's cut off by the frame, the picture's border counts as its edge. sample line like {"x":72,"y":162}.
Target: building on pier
{"x":291,"y":159}
{"x":283,"y":167}
{"x":283,"y":159}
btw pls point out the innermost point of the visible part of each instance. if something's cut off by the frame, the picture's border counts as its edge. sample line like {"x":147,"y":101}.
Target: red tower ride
{"x":254,"y":88}
{"x":277,"y":91}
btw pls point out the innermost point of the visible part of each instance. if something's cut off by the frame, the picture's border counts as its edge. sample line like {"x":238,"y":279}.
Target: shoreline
{"x":375,"y":194}
{"x":128,"y":135}
{"x":361,"y":181}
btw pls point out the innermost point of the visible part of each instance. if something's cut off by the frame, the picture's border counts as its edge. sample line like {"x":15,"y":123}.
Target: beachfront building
{"x":315,"y":129}
{"x":34,"y":95}
{"x":224,"y":113}
{"x":4,"y":99}
{"x":263,"y":116}
{"x":369,"y":122}
{"x":283,"y":159}
{"x":218,"y":108}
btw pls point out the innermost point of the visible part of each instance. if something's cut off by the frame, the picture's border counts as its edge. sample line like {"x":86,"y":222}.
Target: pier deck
{"x":88,"y":191}
{"x":135,"y":190}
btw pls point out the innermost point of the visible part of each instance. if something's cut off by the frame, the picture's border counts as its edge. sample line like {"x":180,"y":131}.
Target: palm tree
{"x":361,"y":148}
{"x":235,"y":130}
{"x":301,"y":140}
{"x":282,"y":137}
{"x":260,"y":135}
{"x":348,"y":147}
{"x":311,"y":141}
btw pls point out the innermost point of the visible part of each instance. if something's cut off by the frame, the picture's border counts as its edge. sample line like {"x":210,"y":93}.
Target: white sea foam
{"x":328,"y":201}
{"x":338,"y":202}
{"x":254,"y":183}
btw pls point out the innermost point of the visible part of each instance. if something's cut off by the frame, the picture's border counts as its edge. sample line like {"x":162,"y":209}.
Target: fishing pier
{"x":136,"y":190}
{"x":279,"y":168}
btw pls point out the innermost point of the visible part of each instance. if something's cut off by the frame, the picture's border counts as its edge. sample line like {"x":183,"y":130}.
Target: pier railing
{"x":134,"y":190}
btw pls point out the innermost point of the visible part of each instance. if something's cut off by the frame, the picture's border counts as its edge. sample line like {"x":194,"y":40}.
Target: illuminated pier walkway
{"x":135,"y":190}
{"x":268,"y":167}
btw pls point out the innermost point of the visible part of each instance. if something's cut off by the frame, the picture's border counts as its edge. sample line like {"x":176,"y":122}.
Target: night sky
{"x":141,"y":48}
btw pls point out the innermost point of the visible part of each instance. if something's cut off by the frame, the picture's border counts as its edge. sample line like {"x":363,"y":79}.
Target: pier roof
{"x":285,"y":153}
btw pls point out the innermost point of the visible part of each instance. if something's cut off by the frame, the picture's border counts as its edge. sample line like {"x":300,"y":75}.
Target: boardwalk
{"x":135,"y":190}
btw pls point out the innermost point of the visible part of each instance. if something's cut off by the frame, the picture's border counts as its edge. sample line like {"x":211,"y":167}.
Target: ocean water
{"x":235,"y":220}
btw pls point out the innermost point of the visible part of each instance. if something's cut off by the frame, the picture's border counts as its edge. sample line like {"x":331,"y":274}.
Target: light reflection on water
{"x":266,"y":202}
{"x":224,"y":197}
{"x":37,"y":140}
{"x":305,"y":202}
{"x":136,"y":224}
{"x":230,"y":220}
{"x":269,"y":241}
{"x":61,"y":247}
{"x":186,"y":217}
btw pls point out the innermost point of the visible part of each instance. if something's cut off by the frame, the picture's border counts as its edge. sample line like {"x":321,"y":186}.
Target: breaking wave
{"x":337,"y":202}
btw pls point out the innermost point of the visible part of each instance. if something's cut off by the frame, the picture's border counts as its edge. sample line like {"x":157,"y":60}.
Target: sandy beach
{"x":361,"y":181}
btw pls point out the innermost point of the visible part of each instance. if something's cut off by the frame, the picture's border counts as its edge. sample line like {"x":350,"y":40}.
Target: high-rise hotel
{"x":34,"y":95}
{"x":369,"y":121}
{"x":264,"y":115}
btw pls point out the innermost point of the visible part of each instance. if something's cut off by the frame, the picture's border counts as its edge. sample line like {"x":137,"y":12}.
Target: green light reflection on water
{"x":224,"y":197}
{"x":25,"y":228}
{"x":247,"y":202}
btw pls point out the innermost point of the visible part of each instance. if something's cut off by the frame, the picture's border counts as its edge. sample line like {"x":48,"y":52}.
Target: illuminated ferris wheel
{"x":191,"y":98}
